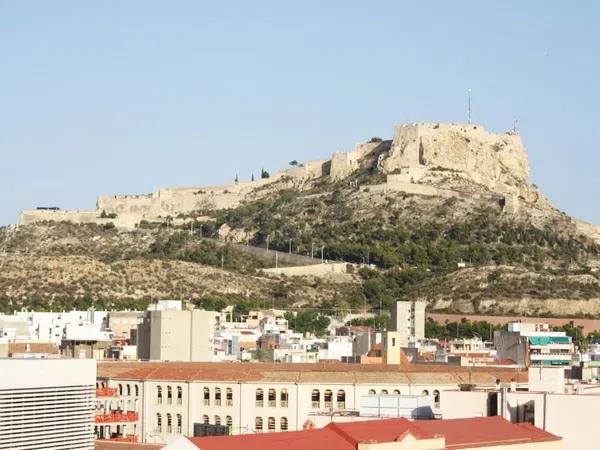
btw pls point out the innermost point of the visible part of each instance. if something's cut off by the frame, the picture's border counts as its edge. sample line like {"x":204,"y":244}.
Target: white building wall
{"x":47,"y":404}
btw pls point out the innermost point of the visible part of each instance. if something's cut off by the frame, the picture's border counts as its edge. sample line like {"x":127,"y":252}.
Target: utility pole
{"x":267,"y":243}
{"x":312,"y":250}
{"x":276,"y":261}
{"x":322,"y":248}
{"x":222,"y":260}
{"x":469,"y":105}
{"x":290,"y":249}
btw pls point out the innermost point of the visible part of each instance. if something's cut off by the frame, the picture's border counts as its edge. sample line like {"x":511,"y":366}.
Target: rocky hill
{"x":443,"y":212}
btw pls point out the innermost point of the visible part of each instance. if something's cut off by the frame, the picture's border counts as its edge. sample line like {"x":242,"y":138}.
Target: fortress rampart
{"x":422,"y":159}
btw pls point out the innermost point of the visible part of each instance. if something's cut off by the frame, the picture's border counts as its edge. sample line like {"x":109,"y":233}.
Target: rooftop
{"x":458,"y":434}
{"x":304,"y":373}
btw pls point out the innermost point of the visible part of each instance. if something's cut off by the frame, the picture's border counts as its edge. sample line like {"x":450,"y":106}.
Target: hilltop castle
{"x":423,"y":159}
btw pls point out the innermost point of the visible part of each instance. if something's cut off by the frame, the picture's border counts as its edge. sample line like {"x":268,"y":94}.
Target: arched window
{"x":205,"y":419}
{"x":272,"y":398}
{"x":128,"y":389}
{"x":384,"y":392}
{"x":120,"y":389}
{"x":259,"y":398}
{"x":436,"y":398}
{"x":258,"y":424}
{"x":179,"y":395}
{"x":229,"y":396}
{"x":159,"y":394}
{"x":425,"y":392}
{"x":271,"y":423}
{"x":158,"y":423}
{"x":283,"y":398}
{"x":169,"y":395}
{"x":137,"y":390}
{"x":206,"y":396}
{"x":228,"y":421}
{"x":169,"y":423}
{"x":372,"y":392}
{"x":341,"y":399}
{"x":217,"y":420}
{"x":218,"y":396}
{"x":315,"y":398}
{"x":328,"y":397}
{"x":396,"y":392}
{"x":179,"y":423}
{"x":283,"y":424}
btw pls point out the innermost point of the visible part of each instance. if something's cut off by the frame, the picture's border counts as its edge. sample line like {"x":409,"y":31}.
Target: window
{"x":179,"y":395}
{"x":229,"y":397}
{"x":137,"y":390}
{"x":384,"y":392}
{"x":271,"y":423}
{"x":315,"y":398}
{"x":218,"y":396}
{"x":372,"y":392}
{"x":283,"y":398}
{"x":272,"y":398}
{"x":396,"y":392}
{"x":393,"y":342}
{"x":228,"y":421}
{"x":436,"y":398}
{"x":158,"y":423}
{"x":259,"y":398}
{"x":341,"y":399}
{"x":159,"y":394}
{"x":206,"y":396}
{"x":205,"y":419}
{"x":217,"y":420}
{"x":169,"y":423}
{"x":425,"y":392}
{"x":128,"y":390}
{"x":258,"y":424}
{"x":328,"y":397}
{"x":283,"y":424}
{"x":179,"y":423}
{"x":120,"y":389}
{"x":169,"y":395}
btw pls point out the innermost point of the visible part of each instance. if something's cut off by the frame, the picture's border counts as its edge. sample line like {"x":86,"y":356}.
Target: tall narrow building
{"x":408,"y":320}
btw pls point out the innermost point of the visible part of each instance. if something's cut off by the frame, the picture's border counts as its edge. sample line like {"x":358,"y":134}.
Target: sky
{"x":116,"y":97}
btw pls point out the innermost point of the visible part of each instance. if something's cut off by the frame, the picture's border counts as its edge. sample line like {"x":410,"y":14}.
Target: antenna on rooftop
{"x":515,"y":123}
{"x":469,"y":104}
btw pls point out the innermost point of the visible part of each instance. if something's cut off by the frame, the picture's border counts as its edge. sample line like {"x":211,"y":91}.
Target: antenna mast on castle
{"x":469,"y":105}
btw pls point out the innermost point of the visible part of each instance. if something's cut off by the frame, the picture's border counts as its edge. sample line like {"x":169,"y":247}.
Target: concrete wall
{"x":315,"y":270}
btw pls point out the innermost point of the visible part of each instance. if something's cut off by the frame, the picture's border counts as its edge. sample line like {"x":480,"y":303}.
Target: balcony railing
{"x":272,"y":403}
{"x":284,"y":403}
{"x":229,"y":402}
{"x":106,"y":392}
{"x":131,"y":416}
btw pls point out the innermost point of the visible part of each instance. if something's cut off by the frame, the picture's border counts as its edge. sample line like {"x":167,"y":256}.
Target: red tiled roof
{"x":459,"y":434}
{"x":302,"y":373}
{"x":484,"y":431}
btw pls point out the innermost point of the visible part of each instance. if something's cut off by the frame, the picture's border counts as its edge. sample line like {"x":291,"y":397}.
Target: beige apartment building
{"x":177,"y":335}
{"x":257,"y":397}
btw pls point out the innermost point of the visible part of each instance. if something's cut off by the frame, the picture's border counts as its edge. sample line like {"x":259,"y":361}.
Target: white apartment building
{"x":408,"y":320}
{"x":47,"y":404}
{"x":42,"y":326}
{"x":257,"y":397}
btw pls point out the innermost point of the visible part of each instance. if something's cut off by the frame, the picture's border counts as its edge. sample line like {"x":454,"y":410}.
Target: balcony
{"x":106,"y":392}
{"x":116,"y":417}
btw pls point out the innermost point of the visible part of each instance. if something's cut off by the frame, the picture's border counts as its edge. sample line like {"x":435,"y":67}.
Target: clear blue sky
{"x":120,"y":96}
